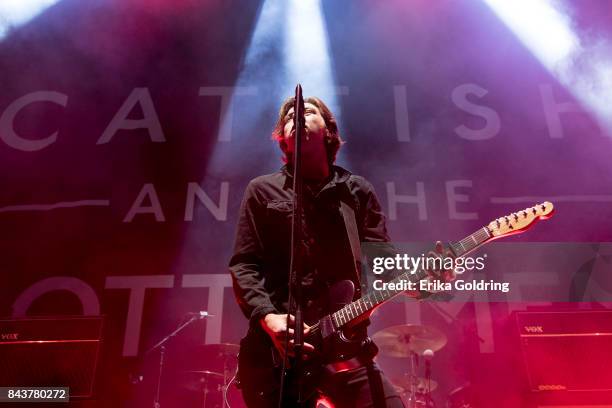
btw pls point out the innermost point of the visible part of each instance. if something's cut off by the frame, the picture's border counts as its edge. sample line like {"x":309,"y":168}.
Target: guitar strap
{"x":348,"y":214}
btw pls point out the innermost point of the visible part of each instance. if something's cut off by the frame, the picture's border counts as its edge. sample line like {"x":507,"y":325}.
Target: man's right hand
{"x":276,"y":327}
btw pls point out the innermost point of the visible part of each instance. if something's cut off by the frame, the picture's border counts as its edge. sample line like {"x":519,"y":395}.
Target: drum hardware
{"x":161,"y":345}
{"x":461,"y":397}
{"x":214,"y":386}
{"x":412,"y":342}
{"x":205,"y":382}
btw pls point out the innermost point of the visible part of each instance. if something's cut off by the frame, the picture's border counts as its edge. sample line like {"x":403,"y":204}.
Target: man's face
{"x":313,"y":141}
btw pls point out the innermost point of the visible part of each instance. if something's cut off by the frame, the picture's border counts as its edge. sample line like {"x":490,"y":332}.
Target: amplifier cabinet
{"x":567,"y":351}
{"x":51,"y":351}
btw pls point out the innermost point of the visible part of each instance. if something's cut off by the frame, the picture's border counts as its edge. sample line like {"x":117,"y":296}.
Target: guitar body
{"x":260,"y":364}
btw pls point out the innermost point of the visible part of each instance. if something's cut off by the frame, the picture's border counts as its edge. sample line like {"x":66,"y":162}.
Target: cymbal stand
{"x":205,"y":382}
{"x":413,"y":378}
{"x":226,"y":382}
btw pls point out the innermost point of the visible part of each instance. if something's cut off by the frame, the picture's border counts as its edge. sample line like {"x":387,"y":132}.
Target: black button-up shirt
{"x":260,"y":263}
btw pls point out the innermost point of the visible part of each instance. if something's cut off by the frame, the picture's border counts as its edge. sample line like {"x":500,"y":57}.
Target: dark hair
{"x":333,"y":141}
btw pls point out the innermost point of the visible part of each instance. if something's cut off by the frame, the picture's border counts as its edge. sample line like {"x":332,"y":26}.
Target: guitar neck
{"x":363,"y":306}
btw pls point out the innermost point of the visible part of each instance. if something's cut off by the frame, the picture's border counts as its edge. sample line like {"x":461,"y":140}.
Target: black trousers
{"x":364,"y":387}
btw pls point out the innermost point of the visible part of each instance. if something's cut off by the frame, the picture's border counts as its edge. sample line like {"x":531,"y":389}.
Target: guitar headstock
{"x":520,"y":221}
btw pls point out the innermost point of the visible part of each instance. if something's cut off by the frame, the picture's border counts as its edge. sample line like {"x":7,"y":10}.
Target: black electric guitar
{"x":333,"y":334}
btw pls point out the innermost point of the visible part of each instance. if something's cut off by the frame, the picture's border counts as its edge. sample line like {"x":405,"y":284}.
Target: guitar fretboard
{"x":366,"y":303}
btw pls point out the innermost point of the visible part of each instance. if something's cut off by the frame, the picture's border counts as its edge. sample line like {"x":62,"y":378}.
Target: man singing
{"x":339,"y":209}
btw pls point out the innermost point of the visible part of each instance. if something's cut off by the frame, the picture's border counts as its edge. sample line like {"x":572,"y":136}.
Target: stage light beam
{"x":14,"y":13}
{"x":307,"y":56}
{"x":541,"y":27}
{"x":583,"y":65}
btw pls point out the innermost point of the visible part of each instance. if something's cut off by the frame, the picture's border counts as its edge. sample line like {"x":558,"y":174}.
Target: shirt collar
{"x":340,"y":175}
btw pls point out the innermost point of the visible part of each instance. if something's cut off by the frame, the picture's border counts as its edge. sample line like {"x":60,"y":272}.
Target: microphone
{"x":298,"y":111}
{"x":202,"y":314}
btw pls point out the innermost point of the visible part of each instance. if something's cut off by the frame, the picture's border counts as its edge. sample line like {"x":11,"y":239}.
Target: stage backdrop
{"x":129,"y":130}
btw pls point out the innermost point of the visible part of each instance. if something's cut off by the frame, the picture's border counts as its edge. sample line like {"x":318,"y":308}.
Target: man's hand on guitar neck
{"x":276,"y":327}
{"x":442,"y":275}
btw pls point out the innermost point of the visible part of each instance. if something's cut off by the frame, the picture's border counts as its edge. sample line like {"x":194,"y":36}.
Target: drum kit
{"x":411,"y":342}
{"x":212,"y":386}
{"x":217,"y":389}
{"x":415,"y":343}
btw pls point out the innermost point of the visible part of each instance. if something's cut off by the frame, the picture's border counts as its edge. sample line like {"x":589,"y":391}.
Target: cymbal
{"x":221,"y":350}
{"x":402,"y":384}
{"x":197,"y":380}
{"x":204,"y":373}
{"x":401,"y":340}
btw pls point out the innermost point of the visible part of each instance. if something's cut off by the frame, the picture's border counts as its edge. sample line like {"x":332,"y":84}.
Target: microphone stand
{"x":161,"y":345}
{"x":297,"y":254}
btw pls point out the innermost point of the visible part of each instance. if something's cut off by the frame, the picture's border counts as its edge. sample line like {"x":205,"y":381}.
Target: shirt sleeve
{"x":374,"y":227}
{"x":374,"y":230}
{"x":246,"y":263}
